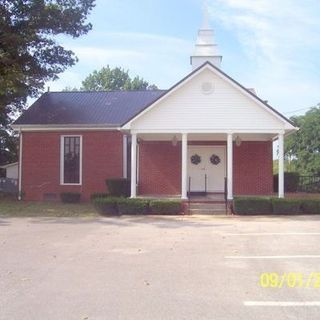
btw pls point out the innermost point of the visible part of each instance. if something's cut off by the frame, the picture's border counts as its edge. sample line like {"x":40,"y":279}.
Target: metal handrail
{"x":226,"y":193}
{"x":309,"y":183}
{"x":205,"y":184}
{"x":189,"y":195}
{"x":8,"y":185}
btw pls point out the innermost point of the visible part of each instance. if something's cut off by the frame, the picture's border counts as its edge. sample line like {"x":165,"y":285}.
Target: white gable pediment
{"x":208,"y":100}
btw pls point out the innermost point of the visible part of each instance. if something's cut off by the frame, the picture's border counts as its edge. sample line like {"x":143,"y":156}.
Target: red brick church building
{"x":203,"y":131}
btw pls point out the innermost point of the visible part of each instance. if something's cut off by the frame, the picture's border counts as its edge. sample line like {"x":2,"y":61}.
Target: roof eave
{"x":66,"y":127}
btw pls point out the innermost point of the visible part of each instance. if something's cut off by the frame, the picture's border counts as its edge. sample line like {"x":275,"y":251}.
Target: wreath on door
{"x":195,"y":159}
{"x":215,"y":160}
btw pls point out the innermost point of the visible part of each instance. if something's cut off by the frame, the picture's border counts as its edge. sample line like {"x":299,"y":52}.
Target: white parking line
{"x":282,"y":303}
{"x":275,"y":257}
{"x":274,"y":234}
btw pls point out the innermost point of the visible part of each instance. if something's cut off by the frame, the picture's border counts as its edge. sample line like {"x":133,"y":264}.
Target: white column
{"x":184,"y":173}
{"x":125,"y":156}
{"x":20,"y":166}
{"x":281,"y":166}
{"x":133,"y":165}
{"x":230,"y":167}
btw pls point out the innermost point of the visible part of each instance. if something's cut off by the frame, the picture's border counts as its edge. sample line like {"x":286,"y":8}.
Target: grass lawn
{"x":11,"y":208}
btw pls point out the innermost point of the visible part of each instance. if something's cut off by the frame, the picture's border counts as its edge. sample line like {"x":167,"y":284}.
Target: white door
{"x":206,"y":168}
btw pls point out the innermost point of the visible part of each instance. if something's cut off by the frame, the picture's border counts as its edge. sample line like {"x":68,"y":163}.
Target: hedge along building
{"x":205,"y":130}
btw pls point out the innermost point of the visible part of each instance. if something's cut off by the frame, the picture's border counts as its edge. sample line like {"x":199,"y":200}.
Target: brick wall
{"x":102,"y":158}
{"x":252,"y":169}
{"x":159,"y":168}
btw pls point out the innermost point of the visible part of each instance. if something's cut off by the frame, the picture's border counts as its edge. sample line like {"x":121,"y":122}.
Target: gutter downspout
{"x":20,"y":166}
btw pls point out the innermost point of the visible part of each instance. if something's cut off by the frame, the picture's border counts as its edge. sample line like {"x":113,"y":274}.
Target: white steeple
{"x":205,"y":49}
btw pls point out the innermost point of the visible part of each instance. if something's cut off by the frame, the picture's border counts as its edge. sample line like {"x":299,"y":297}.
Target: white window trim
{"x":62,"y":160}
{"x":125,"y":156}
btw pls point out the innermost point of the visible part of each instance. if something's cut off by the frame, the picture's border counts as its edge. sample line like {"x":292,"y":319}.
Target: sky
{"x":270,"y":45}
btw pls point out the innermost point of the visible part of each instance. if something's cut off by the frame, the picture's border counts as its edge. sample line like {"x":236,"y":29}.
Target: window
{"x":71,"y":160}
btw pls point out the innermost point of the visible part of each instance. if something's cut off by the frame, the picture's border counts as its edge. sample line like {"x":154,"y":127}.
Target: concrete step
{"x":207,"y":211}
{"x":208,"y":206}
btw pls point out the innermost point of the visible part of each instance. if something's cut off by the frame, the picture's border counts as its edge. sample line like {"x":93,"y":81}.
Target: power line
{"x":298,"y":110}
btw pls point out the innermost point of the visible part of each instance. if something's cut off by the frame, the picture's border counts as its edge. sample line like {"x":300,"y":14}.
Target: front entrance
{"x":206,"y":168}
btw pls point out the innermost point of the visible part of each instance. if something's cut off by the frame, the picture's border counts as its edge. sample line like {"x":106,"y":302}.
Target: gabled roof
{"x":219,"y":71}
{"x":110,"y":108}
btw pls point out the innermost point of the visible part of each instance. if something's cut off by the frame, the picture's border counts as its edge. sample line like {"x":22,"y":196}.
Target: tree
{"x":70,"y":89}
{"x":114,"y":79}
{"x":303,"y":147}
{"x":29,"y":54}
{"x":8,"y":147}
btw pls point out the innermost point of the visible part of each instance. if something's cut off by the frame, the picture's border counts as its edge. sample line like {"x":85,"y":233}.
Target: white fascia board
{"x":287,"y":133}
{"x":32,"y":127}
{"x":221,"y":131}
{"x":290,"y":127}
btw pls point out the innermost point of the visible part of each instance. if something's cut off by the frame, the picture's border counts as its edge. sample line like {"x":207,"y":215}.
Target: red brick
{"x":252,"y":168}
{"x":159,"y":165}
{"x":102,"y":158}
{"x":159,"y":168}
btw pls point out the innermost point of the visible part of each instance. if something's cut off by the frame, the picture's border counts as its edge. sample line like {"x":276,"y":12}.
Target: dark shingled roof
{"x":112,"y":108}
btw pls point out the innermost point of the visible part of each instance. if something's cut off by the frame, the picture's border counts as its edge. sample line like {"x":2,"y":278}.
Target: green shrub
{"x":252,"y":205}
{"x":107,"y":205}
{"x":8,"y":195}
{"x":291,"y":182}
{"x":118,"y":187}
{"x":165,"y":206}
{"x":98,"y":195}
{"x":311,"y":206}
{"x":70,"y":197}
{"x":286,"y":206}
{"x":312,"y":188}
{"x":256,"y":205}
{"x":132,"y":206}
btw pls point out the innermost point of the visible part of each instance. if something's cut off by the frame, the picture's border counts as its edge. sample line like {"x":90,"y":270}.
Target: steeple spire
{"x":205,"y":49}
{"x":205,"y":21}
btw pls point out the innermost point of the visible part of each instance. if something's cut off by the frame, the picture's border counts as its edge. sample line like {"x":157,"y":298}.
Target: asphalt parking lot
{"x":198,"y":267}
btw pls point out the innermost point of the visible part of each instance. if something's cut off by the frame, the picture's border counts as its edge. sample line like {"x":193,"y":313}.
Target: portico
{"x":210,"y":147}
{"x":203,"y":130}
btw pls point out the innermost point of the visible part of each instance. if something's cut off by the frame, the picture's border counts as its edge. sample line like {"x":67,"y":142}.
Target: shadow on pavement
{"x":172,"y":222}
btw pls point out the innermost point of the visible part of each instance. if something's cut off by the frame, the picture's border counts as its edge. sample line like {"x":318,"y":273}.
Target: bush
{"x":252,"y":205}
{"x":70,"y":197}
{"x":286,"y":206}
{"x":119,"y":187}
{"x":107,"y":205}
{"x":311,"y":206}
{"x":291,"y":182}
{"x":98,"y":195}
{"x":165,"y":206}
{"x":132,"y":206}
{"x":312,"y":188}
{"x":8,"y":195}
